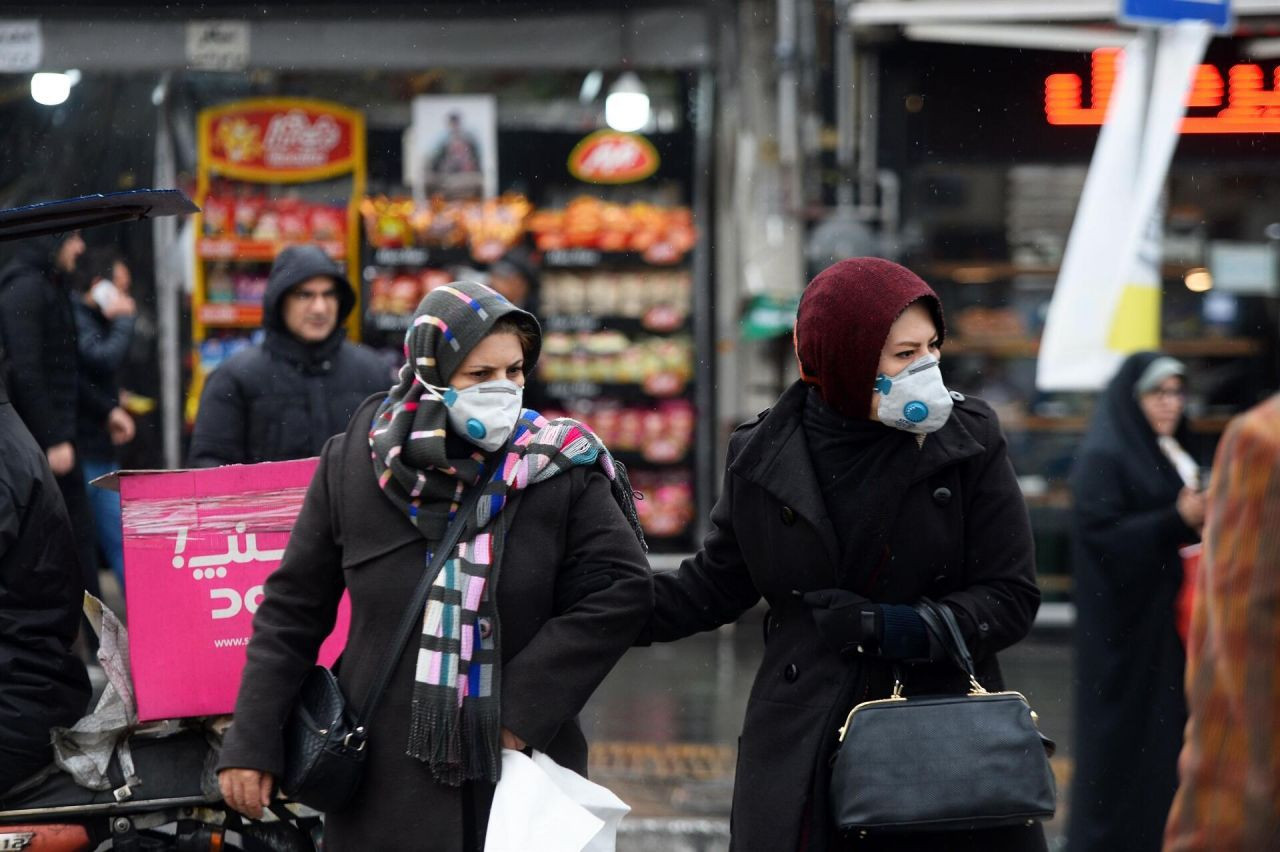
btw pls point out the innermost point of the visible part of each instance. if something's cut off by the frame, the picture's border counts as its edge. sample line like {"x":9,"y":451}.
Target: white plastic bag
{"x":539,"y":806}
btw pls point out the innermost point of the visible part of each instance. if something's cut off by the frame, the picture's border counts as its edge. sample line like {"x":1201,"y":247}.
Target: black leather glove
{"x":847,"y":622}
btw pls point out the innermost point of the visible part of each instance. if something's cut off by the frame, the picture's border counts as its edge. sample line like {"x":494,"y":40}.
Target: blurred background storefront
{"x":664,"y":249}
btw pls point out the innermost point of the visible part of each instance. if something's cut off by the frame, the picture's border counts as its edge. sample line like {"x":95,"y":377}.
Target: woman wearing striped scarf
{"x":544,"y":592}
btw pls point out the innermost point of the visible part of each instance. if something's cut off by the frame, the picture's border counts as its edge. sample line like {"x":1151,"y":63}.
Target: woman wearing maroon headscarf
{"x":842,"y":507}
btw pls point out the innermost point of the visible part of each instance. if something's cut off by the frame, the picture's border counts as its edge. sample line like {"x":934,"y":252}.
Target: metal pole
{"x":868,"y":128}
{"x":704,"y":327}
{"x":168,"y":285}
{"x":845,"y":107}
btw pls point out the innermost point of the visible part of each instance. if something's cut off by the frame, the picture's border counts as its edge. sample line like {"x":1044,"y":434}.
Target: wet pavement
{"x":664,"y":729}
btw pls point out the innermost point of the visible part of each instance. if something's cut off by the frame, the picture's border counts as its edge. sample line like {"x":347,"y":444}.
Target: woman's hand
{"x":247,"y":790}
{"x":1191,"y":507}
{"x":511,"y":741}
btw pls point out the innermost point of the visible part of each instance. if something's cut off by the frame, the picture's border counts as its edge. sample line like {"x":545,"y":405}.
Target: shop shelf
{"x":230,"y":314}
{"x":265,"y":251}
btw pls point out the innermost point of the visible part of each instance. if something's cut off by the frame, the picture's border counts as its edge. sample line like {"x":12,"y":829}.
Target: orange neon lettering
{"x":1249,"y":107}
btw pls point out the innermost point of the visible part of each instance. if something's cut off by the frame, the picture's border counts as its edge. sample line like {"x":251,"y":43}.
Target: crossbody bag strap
{"x":412,"y":616}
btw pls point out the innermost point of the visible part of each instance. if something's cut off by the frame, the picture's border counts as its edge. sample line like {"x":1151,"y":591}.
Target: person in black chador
{"x":284,"y":398}
{"x":38,"y":330}
{"x":1135,"y":500}
{"x":43,"y":683}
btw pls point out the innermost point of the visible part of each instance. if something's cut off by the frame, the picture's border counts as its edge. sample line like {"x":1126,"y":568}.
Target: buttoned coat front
{"x":574,"y":590}
{"x":961,"y":536}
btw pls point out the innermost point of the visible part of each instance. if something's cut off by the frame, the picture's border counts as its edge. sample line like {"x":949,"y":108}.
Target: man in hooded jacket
{"x":38,"y":330}
{"x":283,"y":398}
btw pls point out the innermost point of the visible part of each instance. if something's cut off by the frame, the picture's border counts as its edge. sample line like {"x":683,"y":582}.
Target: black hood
{"x":39,"y":253}
{"x":293,"y":266}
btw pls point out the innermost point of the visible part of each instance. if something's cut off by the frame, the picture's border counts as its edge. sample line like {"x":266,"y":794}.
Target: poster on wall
{"x":452,"y":147}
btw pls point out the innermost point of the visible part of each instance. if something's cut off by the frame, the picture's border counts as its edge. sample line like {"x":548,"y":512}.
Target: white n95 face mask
{"x":484,"y":414}
{"x":915,"y":400}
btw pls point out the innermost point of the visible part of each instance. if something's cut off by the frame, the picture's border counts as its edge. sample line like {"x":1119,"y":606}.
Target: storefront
{"x":419,"y":147}
{"x":992,"y":144}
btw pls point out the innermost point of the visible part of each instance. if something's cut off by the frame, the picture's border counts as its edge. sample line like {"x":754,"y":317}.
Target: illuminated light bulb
{"x":1198,"y":280}
{"x":626,"y":108}
{"x":50,"y":88}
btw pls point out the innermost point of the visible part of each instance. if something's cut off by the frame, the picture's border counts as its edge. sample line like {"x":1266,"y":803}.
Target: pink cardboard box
{"x":198,"y":545}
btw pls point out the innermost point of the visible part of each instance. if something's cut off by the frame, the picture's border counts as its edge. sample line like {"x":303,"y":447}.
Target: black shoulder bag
{"x":942,"y":762}
{"x":325,"y":737}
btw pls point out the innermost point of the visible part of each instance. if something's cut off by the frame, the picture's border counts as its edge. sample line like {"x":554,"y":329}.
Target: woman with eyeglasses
{"x":1136,"y":498}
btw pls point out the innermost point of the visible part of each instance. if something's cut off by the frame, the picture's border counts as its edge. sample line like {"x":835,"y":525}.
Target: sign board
{"x":218,"y":45}
{"x":198,"y":547}
{"x":1243,"y":268}
{"x":608,"y":156}
{"x":281,"y":140}
{"x":1214,"y":12}
{"x":21,"y":46}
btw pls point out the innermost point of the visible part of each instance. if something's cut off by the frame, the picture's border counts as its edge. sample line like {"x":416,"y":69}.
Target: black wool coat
{"x":573,"y":592}
{"x":43,"y":684}
{"x":961,"y":537}
{"x":1130,"y":706}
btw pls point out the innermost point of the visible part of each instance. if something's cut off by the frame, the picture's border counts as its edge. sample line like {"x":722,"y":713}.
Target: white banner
{"x":1107,"y":300}
{"x":21,"y":46}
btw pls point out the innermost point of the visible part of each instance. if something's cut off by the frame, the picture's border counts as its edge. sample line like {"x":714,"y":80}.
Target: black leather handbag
{"x":324,"y":736}
{"x":942,"y":762}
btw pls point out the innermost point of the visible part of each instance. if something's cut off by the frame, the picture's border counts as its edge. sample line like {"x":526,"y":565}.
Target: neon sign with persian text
{"x":1245,"y":105}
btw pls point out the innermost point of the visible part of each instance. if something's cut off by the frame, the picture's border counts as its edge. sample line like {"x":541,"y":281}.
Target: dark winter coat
{"x":284,"y":398}
{"x":1130,"y":707}
{"x":42,"y":683}
{"x":103,"y":344}
{"x":961,"y":536}
{"x":574,"y":591}
{"x":38,"y":331}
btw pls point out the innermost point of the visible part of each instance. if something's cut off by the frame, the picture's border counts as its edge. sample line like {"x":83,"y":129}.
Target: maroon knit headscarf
{"x":843,"y":322}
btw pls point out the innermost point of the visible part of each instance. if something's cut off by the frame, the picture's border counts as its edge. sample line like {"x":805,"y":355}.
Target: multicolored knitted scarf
{"x":455,"y":717}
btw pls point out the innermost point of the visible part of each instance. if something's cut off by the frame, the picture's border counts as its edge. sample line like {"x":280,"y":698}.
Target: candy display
{"x":662,"y":234}
{"x":487,"y":229}
{"x":398,"y":292}
{"x":659,"y":298}
{"x":663,"y":366}
{"x":662,"y":435}
{"x":667,"y":506}
{"x":252,"y":216}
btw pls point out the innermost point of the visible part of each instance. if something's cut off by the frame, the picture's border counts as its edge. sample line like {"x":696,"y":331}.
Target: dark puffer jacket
{"x":42,"y":683}
{"x":284,"y":398}
{"x":38,"y":331}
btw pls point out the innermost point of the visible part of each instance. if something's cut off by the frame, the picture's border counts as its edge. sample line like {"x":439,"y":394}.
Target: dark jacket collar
{"x":776,"y":458}
{"x":308,"y":357}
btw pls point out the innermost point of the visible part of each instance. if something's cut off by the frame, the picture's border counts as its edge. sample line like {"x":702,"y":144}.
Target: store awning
{"x":903,"y":12}
{"x":667,"y":38}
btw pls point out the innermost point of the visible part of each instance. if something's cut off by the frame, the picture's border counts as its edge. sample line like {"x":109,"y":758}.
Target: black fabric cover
{"x":1129,"y":659}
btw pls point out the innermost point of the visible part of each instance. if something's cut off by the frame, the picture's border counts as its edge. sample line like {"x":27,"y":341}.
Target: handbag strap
{"x":941,"y":621}
{"x":412,"y":616}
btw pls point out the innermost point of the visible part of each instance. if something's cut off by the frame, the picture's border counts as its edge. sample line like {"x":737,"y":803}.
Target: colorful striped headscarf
{"x":455,"y":724}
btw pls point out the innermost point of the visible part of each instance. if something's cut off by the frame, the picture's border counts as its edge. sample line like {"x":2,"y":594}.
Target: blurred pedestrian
{"x":1135,"y":500}
{"x":104,"y":315}
{"x":38,"y":330}
{"x":285,"y":397}
{"x":43,"y":683}
{"x":1229,"y":798}
{"x":842,"y":508}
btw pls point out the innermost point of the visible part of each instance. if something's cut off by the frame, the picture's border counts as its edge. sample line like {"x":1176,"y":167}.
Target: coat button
{"x":788,"y":515}
{"x":791,"y":672}
{"x":486,"y":627}
{"x":942,"y":496}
